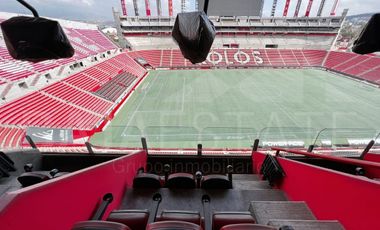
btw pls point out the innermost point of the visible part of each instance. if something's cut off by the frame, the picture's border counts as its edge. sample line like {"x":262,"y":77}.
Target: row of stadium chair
{"x":365,"y":67}
{"x":138,"y":219}
{"x":270,"y":57}
{"x":10,"y":137}
{"x":181,"y":180}
{"x":86,"y":42}
{"x":113,"y":89}
{"x":78,"y":97}
{"x":37,"y":109}
{"x":170,"y":219}
{"x":70,"y":103}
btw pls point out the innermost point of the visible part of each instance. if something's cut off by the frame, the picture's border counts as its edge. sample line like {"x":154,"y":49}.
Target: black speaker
{"x":194,"y":33}
{"x":369,"y":39}
{"x":35,"y":39}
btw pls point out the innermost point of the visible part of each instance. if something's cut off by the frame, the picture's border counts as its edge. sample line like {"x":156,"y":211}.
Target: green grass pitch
{"x":230,"y":108}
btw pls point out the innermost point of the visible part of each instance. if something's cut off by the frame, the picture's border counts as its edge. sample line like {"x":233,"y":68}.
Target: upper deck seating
{"x":86,"y":42}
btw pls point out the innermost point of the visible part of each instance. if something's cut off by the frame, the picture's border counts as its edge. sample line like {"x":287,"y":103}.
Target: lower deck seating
{"x":37,"y":109}
{"x":11,"y":137}
{"x":236,"y":58}
{"x":113,"y":89}
{"x":70,"y":102}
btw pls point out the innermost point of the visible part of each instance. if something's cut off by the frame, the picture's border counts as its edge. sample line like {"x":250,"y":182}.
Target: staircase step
{"x":250,"y":185}
{"x":250,"y":177}
{"x":263,"y":211}
{"x":308,"y":224}
{"x":185,"y":199}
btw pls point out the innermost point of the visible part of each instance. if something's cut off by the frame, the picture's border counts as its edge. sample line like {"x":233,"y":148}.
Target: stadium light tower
{"x":124,"y":8}
{"x":286,"y":8}
{"x":335,"y":6}
{"x":308,"y":9}
{"x":298,"y":6}
{"x":321,"y":8}
{"x":159,"y":9}
{"x":136,"y":7}
{"x":147,"y":7}
{"x":183,"y":6}
{"x":274,"y":6}
{"x":170,"y":2}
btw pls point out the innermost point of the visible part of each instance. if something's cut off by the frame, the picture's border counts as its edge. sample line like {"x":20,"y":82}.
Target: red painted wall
{"x":332,"y":195}
{"x":59,"y":203}
{"x":372,"y":157}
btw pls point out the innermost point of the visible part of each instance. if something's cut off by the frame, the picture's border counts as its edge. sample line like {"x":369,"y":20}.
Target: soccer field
{"x":230,"y":108}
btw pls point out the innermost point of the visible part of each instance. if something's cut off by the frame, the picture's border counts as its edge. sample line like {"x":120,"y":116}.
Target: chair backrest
{"x":221,"y":219}
{"x":99,"y":225}
{"x":216,"y":182}
{"x":146,"y":180}
{"x":170,"y":225}
{"x":180,"y":180}
{"x":247,"y":227}
{"x":135,"y":219}
{"x":175,"y":215}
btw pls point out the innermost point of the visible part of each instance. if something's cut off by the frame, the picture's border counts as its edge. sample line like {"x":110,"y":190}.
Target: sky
{"x":101,"y":10}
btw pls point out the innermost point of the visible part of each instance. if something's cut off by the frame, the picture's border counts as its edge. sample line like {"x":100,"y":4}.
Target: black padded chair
{"x":180,"y":180}
{"x":34,"y":177}
{"x":216,"y":181}
{"x":147,"y":180}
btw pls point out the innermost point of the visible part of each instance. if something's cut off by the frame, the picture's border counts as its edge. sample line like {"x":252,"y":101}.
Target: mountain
{"x":359,"y":18}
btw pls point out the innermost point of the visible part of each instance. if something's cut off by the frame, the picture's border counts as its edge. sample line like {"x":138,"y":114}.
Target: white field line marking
{"x":138,"y":106}
{"x":183,"y":94}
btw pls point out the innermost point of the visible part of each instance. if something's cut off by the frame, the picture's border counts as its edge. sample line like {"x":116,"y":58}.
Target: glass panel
{"x":338,"y":138}
{"x":118,"y":136}
{"x":287,"y":137}
{"x":228,"y":137}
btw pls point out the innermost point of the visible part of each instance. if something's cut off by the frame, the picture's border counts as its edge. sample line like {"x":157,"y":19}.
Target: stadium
{"x":270,"y":88}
